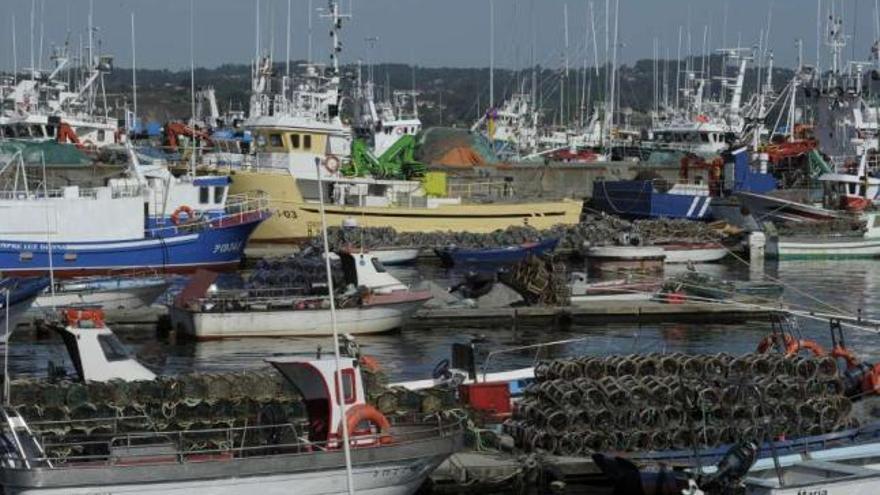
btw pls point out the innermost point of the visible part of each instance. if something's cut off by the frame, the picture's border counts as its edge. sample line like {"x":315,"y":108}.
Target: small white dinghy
{"x":584,"y":292}
{"x":110,"y":294}
{"x":694,"y":252}
{"x":866,"y":246}
{"x":379,"y":302}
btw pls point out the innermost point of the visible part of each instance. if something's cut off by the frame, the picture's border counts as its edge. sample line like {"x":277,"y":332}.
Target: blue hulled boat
{"x":455,"y":256}
{"x":652,"y":199}
{"x":22,"y":293}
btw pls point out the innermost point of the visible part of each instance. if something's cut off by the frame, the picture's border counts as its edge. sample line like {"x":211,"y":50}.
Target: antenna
{"x":14,"y":54}
{"x":33,"y":7}
{"x":287,"y":55}
{"x":42,"y":22}
{"x":310,"y":32}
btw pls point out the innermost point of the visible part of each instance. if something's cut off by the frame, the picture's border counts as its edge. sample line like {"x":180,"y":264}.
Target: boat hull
{"x":694,"y":253}
{"x":494,"y":256}
{"x":295,"y":220}
{"x":638,"y":199}
{"x":391,"y":257}
{"x":395,"y":469}
{"x":126,"y":299}
{"x":219,"y":247}
{"x":363,"y":320}
{"x":861,"y":248}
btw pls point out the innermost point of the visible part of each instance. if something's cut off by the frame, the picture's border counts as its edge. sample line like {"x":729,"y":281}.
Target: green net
{"x":34,"y":152}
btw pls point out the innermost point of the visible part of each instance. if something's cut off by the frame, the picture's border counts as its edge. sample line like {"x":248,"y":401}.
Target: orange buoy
{"x":175,"y":217}
{"x":365,"y":413}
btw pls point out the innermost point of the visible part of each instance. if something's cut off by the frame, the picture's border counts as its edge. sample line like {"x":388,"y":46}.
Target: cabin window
{"x":307,"y":141}
{"x":50,"y":131}
{"x":294,"y":141}
{"x":275,"y":141}
{"x":101,"y":135}
{"x":204,"y":195}
{"x":348,"y":393}
{"x":112,"y":348}
{"x":378,"y":265}
{"x":25,"y":256}
{"x":218,"y":194}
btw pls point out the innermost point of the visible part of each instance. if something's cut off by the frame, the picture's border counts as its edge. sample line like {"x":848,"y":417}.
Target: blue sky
{"x":428,"y":32}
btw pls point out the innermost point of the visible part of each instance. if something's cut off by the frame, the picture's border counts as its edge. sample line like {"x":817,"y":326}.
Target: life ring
{"x":791,"y":344}
{"x":366,"y":413}
{"x":331,"y":163}
{"x":370,"y":364}
{"x":843,"y":353}
{"x":398,"y":131}
{"x":175,"y":217}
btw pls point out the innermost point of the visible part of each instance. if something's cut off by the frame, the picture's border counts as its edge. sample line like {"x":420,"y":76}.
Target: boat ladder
{"x":23,"y":438}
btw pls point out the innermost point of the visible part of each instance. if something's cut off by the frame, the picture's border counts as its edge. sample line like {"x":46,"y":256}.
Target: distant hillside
{"x":449,"y":96}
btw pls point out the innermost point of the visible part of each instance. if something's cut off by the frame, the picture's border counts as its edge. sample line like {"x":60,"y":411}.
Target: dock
{"x":636,"y":312}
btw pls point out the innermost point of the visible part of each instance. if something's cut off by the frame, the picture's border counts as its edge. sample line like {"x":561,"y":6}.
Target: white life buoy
{"x":331,"y":163}
{"x":398,"y":131}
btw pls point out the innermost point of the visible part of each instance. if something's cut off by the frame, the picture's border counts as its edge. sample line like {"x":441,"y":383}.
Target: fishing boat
{"x":390,"y":256}
{"x":457,"y":256}
{"x":20,"y":294}
{"x":652,"y":199}
{"x":584,"y":291}
{"x":129,"y":225}
{"x":853,"y":192}
{"x":605,"y":260}
{"x":116,"y":293}
{"x":374,"y":302}
{"x":693,"y":252}
{"x":703,"y":286}
{"x":865,"y":246}
{"x":272,"y":456}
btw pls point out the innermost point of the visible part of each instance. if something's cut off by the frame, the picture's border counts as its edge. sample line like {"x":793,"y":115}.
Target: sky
{"x":429,"y":33}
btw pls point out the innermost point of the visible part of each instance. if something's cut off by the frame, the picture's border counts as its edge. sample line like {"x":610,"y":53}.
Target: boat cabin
{"x":96,"y":352}
{"x":324,"y":390}
{"x":362,"y":269}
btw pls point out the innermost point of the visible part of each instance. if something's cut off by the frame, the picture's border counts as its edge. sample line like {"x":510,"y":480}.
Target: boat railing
{"x":238,"y":209}
{"x":538,"y":348}
{"x":219,"y":444}
{"x":495,"y":188}
{"x":71,"y":193}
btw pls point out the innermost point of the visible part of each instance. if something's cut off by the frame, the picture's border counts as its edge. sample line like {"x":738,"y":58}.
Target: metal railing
{"x":501,"y":189}
{"x":229,"y":444}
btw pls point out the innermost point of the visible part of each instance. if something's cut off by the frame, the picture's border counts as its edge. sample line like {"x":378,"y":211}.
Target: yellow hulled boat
{"x":296,"y":213}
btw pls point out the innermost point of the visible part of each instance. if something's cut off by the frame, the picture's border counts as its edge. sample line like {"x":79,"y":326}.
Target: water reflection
{"x":839,"y":286}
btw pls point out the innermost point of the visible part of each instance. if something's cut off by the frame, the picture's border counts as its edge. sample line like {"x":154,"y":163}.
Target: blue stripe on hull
{"x":216,"y":247}
{"x":638,"y":199}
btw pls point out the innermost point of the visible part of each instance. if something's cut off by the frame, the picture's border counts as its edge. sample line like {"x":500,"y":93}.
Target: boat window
{"x":101,"y":135}
{"x":112,"y":348}
{"x":204,"y":195}
{"x":294,"y":141}
{"x":218,"y":194}
{"x":275,"y":141}
{"x":704,"y":138}
{"x":307,"y":141}
{"x":862,"y":190}
{"x":378,"y":265}
{"x":348,"y":391}
{"x":50,"y":131}
{"x":36,"y":131}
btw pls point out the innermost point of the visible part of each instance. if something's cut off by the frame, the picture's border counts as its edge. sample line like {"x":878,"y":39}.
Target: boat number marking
{"x":813,"y":492}
{"x":227,"y":247}
{"x":394,"y":472}
{"x":288,"y":214}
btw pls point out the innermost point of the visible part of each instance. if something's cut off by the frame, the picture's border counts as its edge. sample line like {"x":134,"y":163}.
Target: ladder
{"x":26,"y":444}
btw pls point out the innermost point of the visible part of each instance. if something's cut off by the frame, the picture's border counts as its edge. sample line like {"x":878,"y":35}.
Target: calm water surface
{"x":822,"y":286}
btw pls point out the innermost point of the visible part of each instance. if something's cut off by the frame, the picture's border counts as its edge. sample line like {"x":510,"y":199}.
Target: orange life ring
{"x":370,"y":364}
{"x":175,"y":217}
{"x":366,"y":413}
{"x":331,"y":163}
{"x":843,"y":353}
{"x":792,"y":345}
{"x":871,"y":381}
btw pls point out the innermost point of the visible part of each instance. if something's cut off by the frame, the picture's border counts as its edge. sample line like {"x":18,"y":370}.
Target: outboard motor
{"x":732,"y":468}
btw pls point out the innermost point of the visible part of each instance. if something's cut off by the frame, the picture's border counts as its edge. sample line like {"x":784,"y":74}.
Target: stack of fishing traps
{"x":205,"y":405}
{"x":657,"y":402}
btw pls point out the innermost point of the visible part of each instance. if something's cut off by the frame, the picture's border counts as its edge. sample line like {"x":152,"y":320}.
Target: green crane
{"x":397,"y":162}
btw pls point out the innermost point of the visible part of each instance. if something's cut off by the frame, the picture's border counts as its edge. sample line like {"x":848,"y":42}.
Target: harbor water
{"x":835,"y":286}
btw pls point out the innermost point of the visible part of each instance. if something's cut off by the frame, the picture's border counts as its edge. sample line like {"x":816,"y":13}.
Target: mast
{"x":309,"y":58}
{"x":287,"y":56}
{"x":33,"y":7}
{"x":614,"y":59}
{"x":564,"y":80}
{"x":192,"y":84}
{"x":134,"y":91}
{"x":14,"y":54}
{"x":491,"y":54}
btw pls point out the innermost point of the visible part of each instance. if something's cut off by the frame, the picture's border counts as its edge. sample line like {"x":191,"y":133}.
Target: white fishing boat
{"x":395,"y":256}
{"x":864,"y":246}
{"x":374,"y":302}
{"x":385,"y":458}
{"x":583,"y":291}
{"x":690,"y":252}
{"x":123,"y":293}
